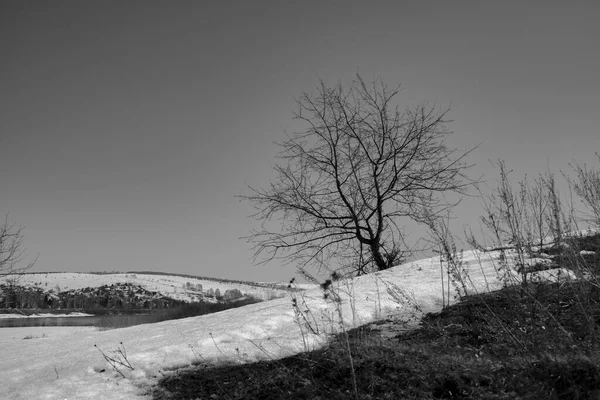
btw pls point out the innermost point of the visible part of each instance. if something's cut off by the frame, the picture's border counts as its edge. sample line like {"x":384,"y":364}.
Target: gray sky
{"x":128,"y":127}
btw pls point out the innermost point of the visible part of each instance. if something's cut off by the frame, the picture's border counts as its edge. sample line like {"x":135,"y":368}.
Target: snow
{"x":37,"y":332}
{"x":69,"y":366}
{"x":551,"y":240}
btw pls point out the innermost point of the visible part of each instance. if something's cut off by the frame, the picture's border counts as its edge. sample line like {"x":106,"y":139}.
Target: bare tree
{"x":11,"y":250}
{"x":346,"y":183}
{"x":538,"y":202}
{"x":587,"y":187}
{"x":555,"y":216}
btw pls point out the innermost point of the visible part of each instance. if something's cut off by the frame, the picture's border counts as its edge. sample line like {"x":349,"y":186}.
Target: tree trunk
{"x":378,"y":258}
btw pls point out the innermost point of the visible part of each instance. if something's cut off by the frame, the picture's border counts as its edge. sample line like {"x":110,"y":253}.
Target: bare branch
{"x":11,"y":250}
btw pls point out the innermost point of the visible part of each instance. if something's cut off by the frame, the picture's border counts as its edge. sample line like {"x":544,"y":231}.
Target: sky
{"x":129,"y":128}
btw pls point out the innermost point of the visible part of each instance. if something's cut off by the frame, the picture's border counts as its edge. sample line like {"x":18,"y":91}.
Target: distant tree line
{"x":120,"y":297}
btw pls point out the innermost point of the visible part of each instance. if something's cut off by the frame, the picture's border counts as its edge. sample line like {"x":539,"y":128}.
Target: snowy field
{"x":69,"y":366}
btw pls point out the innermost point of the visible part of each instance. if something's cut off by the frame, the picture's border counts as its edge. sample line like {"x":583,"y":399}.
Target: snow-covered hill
{"x":184,"y":288}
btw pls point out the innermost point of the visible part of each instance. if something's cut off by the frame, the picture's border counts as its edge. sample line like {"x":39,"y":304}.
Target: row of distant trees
{"x":124,"y":297}
{"x":229,"y":294}
{"x":14,"y":296}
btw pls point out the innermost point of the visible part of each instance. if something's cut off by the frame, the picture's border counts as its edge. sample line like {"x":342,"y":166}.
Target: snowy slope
{"x":69,"y":366}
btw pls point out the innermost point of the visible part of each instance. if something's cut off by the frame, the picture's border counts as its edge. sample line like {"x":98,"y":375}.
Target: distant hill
{"x":130,"y":290}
